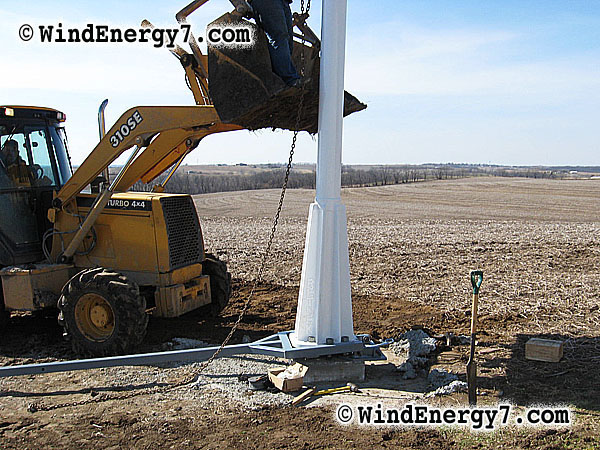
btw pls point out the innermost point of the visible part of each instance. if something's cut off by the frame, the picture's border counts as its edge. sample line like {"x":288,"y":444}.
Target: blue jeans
{"x":276,"y":19}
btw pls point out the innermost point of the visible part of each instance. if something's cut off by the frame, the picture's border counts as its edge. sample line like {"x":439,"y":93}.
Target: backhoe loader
{"x":106,"y":256}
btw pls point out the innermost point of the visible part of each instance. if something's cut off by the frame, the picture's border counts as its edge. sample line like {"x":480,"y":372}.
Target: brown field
{"x":537,"y":242}
{"x":411,"y":250}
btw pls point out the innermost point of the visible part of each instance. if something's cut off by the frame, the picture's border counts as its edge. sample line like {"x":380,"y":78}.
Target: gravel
{"x":438,"y":378}
{"x":221,"y":378}
{"x":455,"y":386}
{"x":415,"y":346}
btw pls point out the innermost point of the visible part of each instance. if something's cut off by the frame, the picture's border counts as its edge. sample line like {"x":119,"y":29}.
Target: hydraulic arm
{"x":164,"y":135}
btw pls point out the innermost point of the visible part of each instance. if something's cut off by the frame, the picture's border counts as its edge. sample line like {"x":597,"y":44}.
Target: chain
{"x":33,"y":407}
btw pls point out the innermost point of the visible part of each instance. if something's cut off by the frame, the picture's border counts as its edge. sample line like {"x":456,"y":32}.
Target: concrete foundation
{"x":333,"y":369}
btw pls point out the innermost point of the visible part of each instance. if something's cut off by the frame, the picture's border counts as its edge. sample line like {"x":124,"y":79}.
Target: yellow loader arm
{"x":161,"y":136}
{"x":163,"y":130}
{"x":167,"y":132}
{"x":231,"y":101}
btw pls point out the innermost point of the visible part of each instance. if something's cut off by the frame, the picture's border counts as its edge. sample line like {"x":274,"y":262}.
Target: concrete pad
{"x":335,"y":368}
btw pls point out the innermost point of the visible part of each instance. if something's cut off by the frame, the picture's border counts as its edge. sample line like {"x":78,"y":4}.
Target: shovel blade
{"x":472,"y":379}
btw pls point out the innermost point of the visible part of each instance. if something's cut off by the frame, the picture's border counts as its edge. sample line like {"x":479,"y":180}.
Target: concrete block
{"x":333,"y":369}
{"x":543,"y":350}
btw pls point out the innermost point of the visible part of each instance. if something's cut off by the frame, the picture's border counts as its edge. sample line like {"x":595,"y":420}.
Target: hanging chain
{"x":33,"y":407}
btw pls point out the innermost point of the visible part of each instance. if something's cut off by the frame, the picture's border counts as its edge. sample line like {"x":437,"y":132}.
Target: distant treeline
{"x":271,"y":176}
{"x":195,"y":183}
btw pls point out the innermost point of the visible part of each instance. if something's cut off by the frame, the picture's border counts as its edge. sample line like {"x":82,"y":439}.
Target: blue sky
{"x":503,"y":82}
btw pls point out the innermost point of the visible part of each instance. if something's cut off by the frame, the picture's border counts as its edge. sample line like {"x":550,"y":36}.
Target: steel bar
{"x":277,"y":345}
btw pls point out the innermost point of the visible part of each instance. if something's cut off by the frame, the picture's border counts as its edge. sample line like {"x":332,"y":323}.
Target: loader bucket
{"x":245,"y":91}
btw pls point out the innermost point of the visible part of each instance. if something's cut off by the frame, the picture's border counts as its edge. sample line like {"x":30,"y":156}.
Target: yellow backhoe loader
{"x":107,"y":257}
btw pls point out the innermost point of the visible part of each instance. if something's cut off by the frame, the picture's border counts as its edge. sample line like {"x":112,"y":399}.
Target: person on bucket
{"x":275,"y":17}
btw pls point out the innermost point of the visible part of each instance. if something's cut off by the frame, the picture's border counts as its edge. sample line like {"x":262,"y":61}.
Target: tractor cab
{"x":34,"y":163}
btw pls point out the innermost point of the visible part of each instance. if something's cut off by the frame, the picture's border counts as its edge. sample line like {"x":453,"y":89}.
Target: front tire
{"x":220,"y":283}
{"x":102,"y":313}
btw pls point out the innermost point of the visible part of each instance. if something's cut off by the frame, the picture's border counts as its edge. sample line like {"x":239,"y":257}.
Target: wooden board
{"x":306,"y":394}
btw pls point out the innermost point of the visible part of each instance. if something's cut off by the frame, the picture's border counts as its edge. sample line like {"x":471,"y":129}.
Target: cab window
{"x":41,"y":165}
{"x":25,"y":159}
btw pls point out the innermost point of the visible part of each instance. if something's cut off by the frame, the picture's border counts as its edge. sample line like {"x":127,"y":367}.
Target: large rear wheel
{"x":102,"y":313}
{"x":220,"y":283}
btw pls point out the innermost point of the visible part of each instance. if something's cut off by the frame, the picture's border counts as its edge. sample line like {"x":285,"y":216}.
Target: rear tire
{"x":220,"y":283}
{"x":102,"y":313}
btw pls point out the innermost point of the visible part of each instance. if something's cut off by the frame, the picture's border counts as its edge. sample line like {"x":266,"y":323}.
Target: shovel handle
{"x":476,"y":280}
{"x":474,"y":315}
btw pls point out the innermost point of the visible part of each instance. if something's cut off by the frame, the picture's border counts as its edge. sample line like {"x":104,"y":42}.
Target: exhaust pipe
{"x":102,"y":132}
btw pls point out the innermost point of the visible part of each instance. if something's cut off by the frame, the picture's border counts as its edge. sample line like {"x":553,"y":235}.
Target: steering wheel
{"x":36,"y":171}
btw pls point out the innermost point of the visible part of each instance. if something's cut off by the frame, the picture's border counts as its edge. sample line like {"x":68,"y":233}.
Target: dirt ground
{"x":411,"y":250}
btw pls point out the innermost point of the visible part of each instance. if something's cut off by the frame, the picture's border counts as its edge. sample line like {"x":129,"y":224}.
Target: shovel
{"x":476,"y":279}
